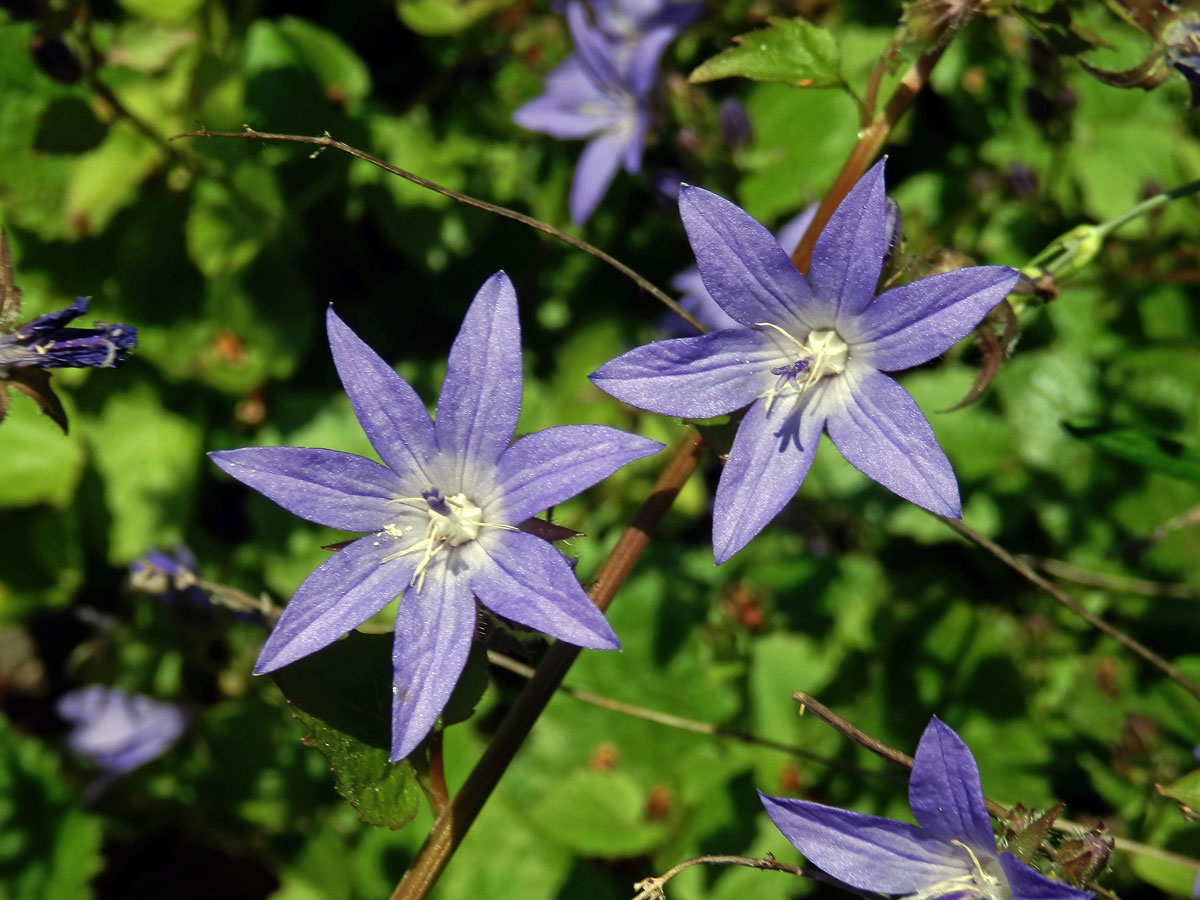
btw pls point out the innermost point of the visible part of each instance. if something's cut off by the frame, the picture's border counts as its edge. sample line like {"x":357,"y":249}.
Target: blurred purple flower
{"x":119,"y":731}
{"x":630,"y":21}
{"x":441,"y":515}
{"x":810,"y":357}
{"x":699,"y":302}
{"x":602,"y":94}
{"x":47,"y":342}
{"x":951,"y":854}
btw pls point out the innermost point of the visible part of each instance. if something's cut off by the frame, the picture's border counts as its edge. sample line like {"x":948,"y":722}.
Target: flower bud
{"x":1083,"y":858}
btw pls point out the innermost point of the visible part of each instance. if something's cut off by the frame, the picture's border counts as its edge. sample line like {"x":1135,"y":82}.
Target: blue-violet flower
{"x":951,"y":854}
{"x":601,"y":93}
{"x":441,"y":514}
{"x":119,"y":731}
{"x":811,"y":357}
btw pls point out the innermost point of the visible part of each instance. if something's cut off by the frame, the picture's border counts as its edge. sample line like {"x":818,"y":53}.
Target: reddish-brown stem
{"x":439,"y":795}
{"x":451,"y":825}
{"x":870,"y":142}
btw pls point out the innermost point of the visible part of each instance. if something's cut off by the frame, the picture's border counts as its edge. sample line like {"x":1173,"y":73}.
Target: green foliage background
{"x":225,"y":253}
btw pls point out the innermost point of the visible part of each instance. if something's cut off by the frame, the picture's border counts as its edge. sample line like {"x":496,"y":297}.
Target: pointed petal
{"x":523,"y":578}
{"x":944,"y":790}
{"x":340,"y":594}
{"x":339,"y":490}
{"x":866,"y":852}
{"x":743,"y":266}
{"x":641,"y":70}
{"x":547,"y":467}
{"x":481,"y":396}
{"x":770,"y":456}
{"x":848,"y":255}
{"x":433,"y":637}
{"x":909,"y":325}
{"x":882,"y":432}
{"x":594,"y":173}
{"x":571,"y":106}
{"x":1028,"y":884}
{"x":693,"y":377}
{"x":595,"y":51}
{"x":389,"y":410}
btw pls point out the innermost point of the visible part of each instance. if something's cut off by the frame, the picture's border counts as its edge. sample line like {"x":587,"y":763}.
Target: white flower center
{"x":453,"y":521}
{"x":986,"y":881}
{"x":822,"y":354}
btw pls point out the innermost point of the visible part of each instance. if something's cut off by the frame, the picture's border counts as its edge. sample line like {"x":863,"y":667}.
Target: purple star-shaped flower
{"x":441,"y":515}
{"x":119,"y":731}
{"x":601,"y":93}
{"x":811,"y":357}
{"x":952,"y":854}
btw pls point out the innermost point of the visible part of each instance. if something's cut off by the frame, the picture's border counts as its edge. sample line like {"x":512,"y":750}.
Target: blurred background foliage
{"x":225,"y":253}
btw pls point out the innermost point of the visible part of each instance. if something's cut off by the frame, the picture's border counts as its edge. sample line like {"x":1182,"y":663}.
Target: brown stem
{"x":439,"y":796}
{"x":451,"y":825}
{"x":870,"y":142}
{"x":1027,"y":572}
{"x":325,"y":141}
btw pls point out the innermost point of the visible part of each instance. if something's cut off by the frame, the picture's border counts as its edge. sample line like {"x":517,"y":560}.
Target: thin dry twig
{"x":673,"y":721}
{"x":325,"y":141}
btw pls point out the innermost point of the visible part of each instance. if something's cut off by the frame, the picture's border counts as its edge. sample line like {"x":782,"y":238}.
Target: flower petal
{"x":848,"y":255}
{"x":571,"y":106}
{"x":340,"y":594}
{"x":481,"y":396}
{"x":549,"y":466}
{"x":339,"y":490}
{"x":866,"y":852}
{"x":594,"y":172}
{"x":944,"y":790}
{"x":909,"y":325}
{"x":770,"y":456}
{"x":882,"y":432}
{"x":693,"y":377}
{"x":523,"y":578}
{"x":595,"y":51}
{"x":743,"y":266}
{"x":389,"y":410}
{"x":1029,"y":884}
{"x":433,"y":637}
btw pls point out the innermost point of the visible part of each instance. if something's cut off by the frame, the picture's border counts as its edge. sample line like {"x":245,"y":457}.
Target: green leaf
{"x":38,"y":463}
{"x":295,"y":42}
{"x":343,"y":694}
{"x":50,"y":847}
{"x":607,"y":812}
{"x":148,"y":458}
{"x":1159,"y":454}
{"x":229,"y":223}
{"x":791,"y":51}
{"x":170,"y":11}
{"x":443,"y":17}
{"x":1185,"y":791}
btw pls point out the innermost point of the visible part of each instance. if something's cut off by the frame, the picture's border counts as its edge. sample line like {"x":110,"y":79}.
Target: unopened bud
{"x":1083,"y":858}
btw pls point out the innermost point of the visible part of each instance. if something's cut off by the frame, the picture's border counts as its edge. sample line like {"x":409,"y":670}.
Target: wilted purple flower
{"x":27,"y":351}
{"x":951,"y":854}
{"x":48,"y":343}
{"x":442,"y":514}
{"x":699,"y":302}
{"x":119,"y":731}
{"x":810,"y":357}
{"x":602,"y":94}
